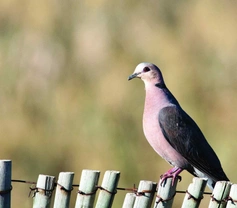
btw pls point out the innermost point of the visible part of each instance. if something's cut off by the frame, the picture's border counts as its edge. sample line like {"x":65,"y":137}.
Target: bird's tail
{"x":211,"y":180}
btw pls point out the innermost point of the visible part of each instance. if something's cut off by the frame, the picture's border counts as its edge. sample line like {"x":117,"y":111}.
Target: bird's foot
{"x":172,"y":173}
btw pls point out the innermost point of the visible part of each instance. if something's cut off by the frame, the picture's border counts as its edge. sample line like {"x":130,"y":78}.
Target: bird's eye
{"x":146,"y":69}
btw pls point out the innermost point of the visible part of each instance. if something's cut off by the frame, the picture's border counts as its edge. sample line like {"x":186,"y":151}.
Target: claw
{"x":172,"y":173}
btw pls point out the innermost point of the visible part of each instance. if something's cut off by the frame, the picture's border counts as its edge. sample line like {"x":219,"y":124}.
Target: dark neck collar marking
{"x":160,"y":85}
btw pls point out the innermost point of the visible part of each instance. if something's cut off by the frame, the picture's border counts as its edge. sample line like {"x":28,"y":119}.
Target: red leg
{"x":172,"y":173}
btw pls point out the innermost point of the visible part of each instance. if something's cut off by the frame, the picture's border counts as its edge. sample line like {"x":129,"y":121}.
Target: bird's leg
{"x":172,"y":173}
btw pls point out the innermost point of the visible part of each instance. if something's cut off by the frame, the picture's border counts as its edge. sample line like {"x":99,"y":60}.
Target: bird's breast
{"x":154,"y":135}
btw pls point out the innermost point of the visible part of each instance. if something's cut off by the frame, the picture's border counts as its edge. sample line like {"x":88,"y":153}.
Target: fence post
{"x":146,"y":191}
{"x":87,"y":189}
{"x":194,"y":193}
{"x":232,"y":202}
{"x":129,"y":200}
{"x":109,"y":189}
{"x":166,"y":192}
{"x":43,"y":191}
{"x":5,"y":183}
{"x":63,"y":191}
{"x":220,"y":194}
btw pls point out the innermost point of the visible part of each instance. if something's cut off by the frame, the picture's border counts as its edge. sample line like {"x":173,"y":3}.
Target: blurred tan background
{"x":66,"y":104}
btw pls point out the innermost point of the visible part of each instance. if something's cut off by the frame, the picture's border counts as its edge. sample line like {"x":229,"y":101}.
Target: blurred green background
{"x":66,"y":104}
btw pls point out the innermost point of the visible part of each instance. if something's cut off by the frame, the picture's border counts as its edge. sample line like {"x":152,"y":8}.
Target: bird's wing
{"x":185,"y":137}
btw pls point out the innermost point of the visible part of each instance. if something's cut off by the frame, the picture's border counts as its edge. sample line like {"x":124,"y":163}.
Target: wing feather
{"x":185,"y":137}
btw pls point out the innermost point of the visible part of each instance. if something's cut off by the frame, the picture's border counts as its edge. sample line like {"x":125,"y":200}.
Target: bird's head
{"x":148,"y":72}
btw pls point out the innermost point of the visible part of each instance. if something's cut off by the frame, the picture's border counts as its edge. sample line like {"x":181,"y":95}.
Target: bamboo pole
{"x":109,"y":189}
{"x":145,"y":194}
{"x":232,"y":202}
{"x":63,"y":190}
{"x":194,"y":193}
{"x":166,"y":192}
{"x":87,"y":189}
{"x":220,"y":194}
{"x":129,"y":200}
{"x":5,"y":183}
{"x":43,"y":191}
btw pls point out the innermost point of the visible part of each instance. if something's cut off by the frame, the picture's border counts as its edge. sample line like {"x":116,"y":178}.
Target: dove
{"x":172,"y":133}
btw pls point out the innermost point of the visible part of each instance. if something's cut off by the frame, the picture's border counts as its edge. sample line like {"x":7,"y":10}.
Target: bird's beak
{"x":133,"y":76}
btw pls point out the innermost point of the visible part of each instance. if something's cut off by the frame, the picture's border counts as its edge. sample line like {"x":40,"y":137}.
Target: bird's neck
{"x":160,"y":85}
{"x":158,"y":96}
{"x":155,"y":98}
